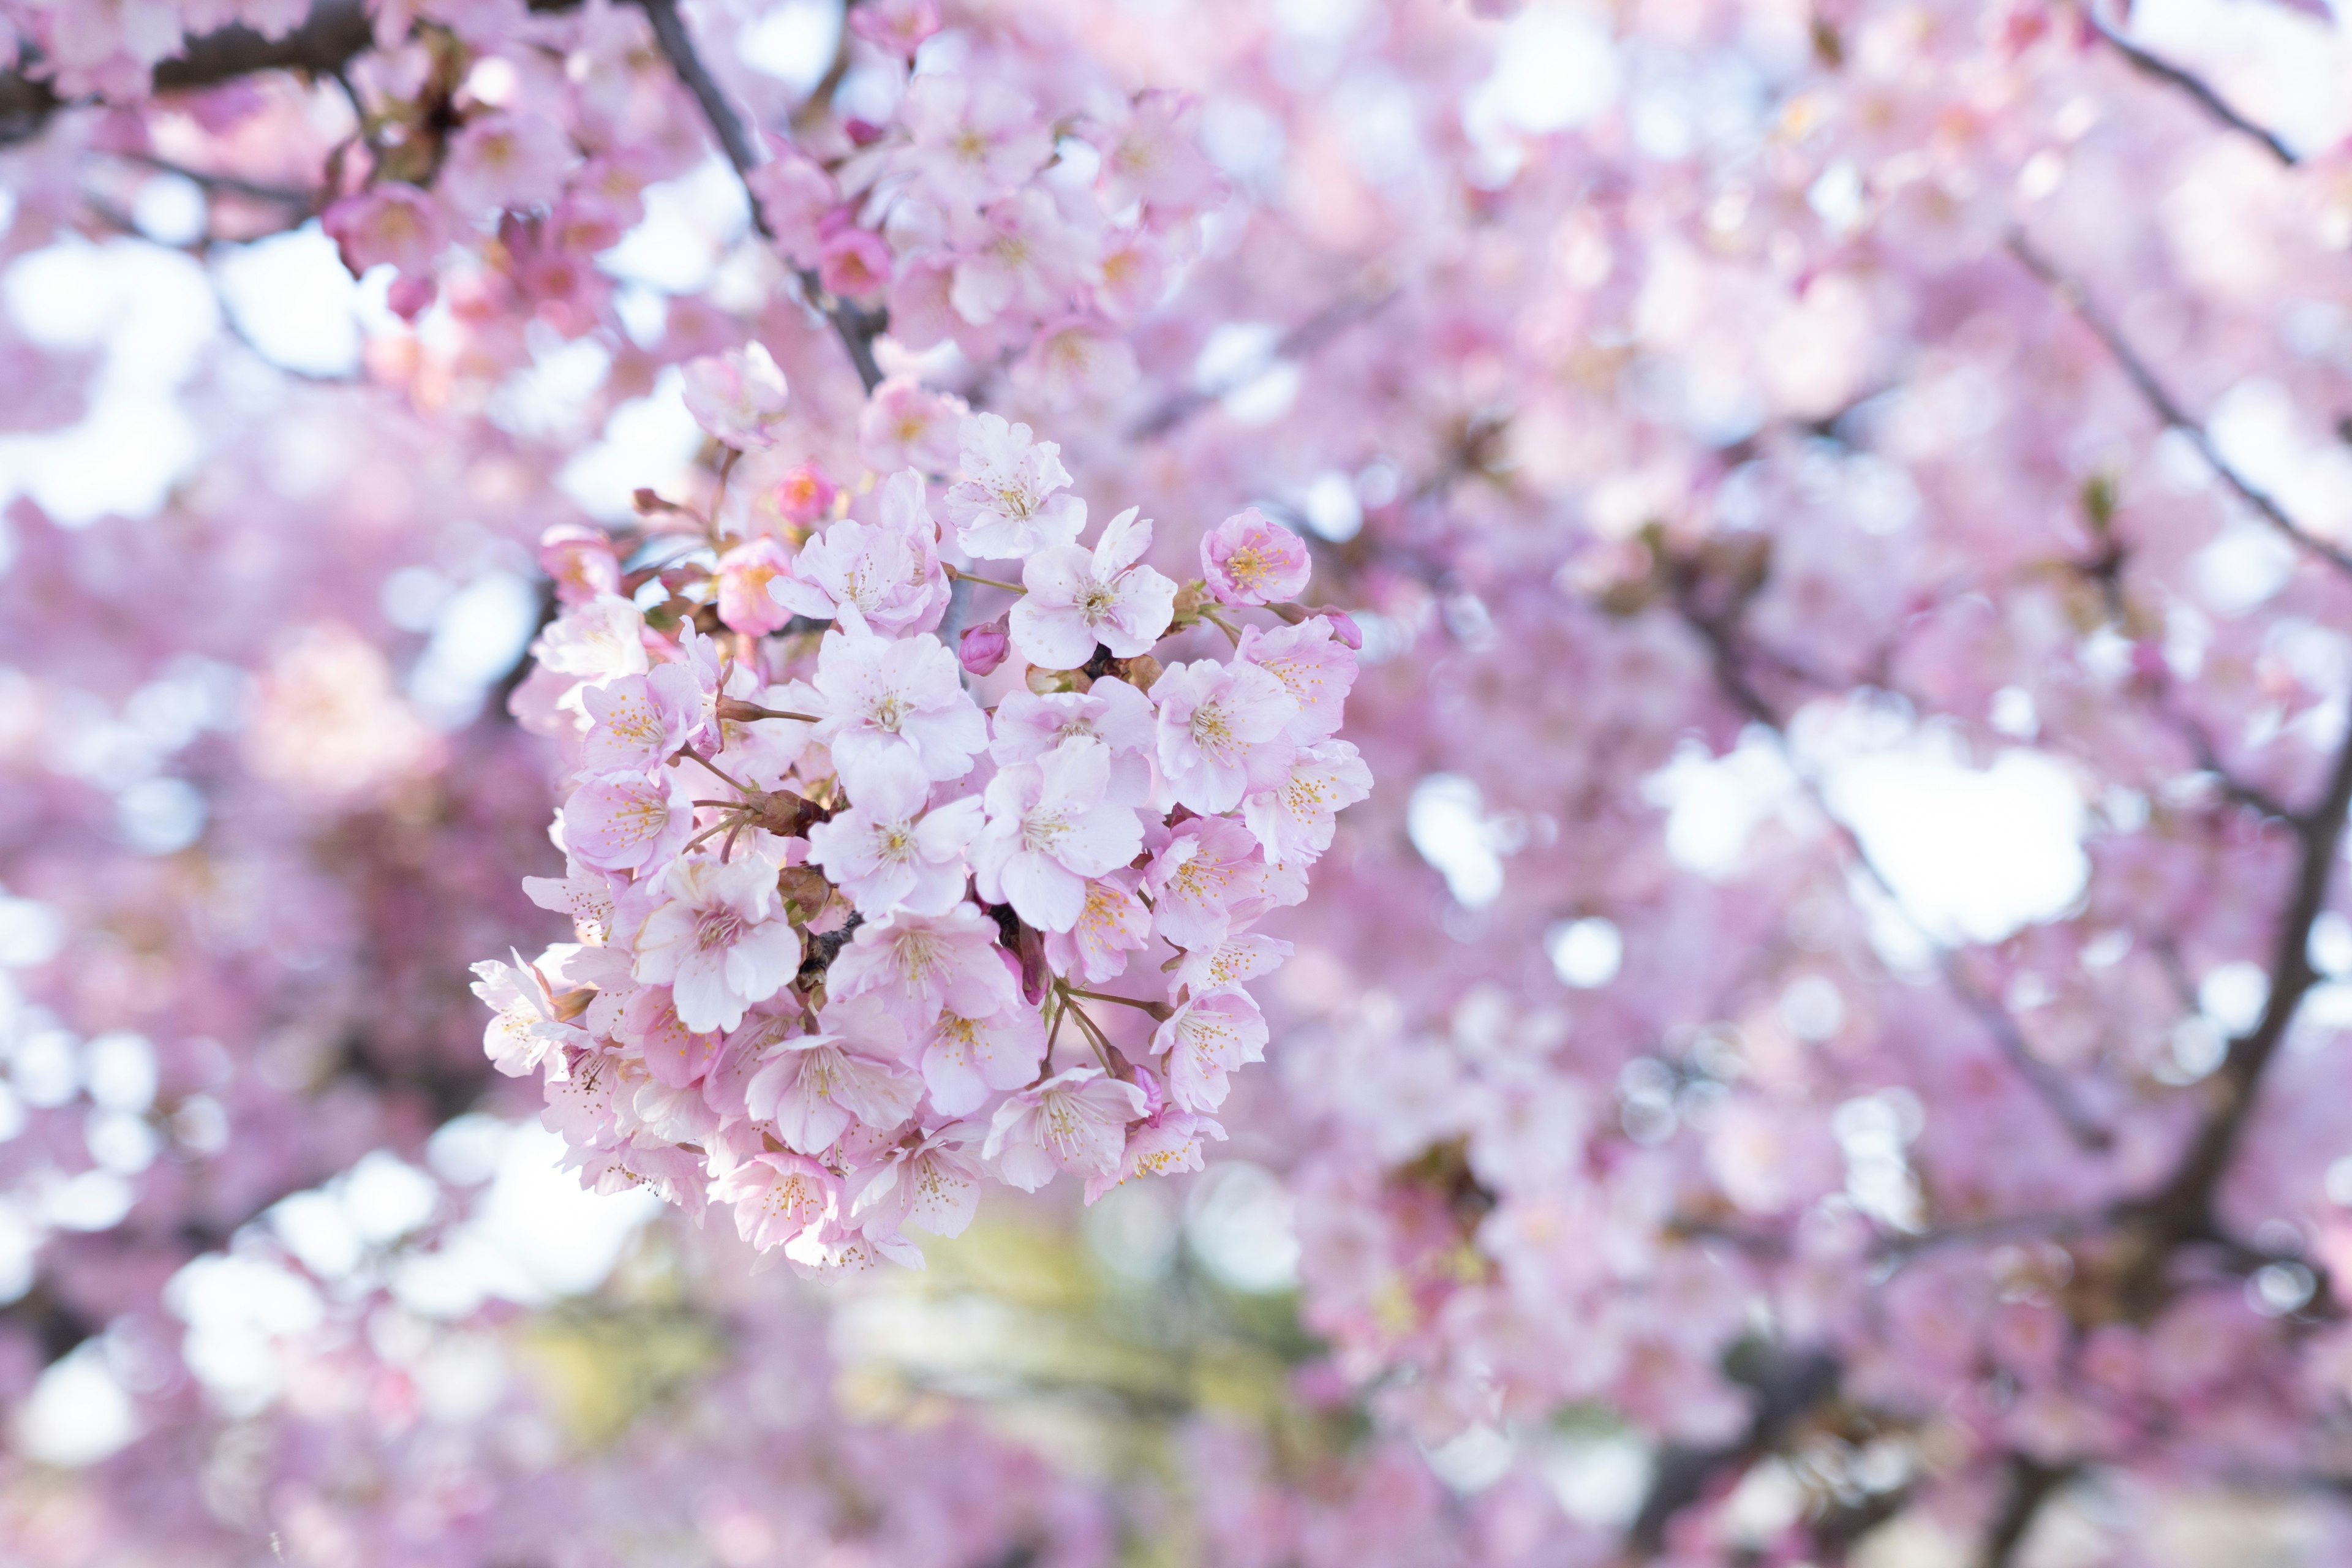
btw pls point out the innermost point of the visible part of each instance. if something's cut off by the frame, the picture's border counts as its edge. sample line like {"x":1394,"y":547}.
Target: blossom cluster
{"x":841,"y":928}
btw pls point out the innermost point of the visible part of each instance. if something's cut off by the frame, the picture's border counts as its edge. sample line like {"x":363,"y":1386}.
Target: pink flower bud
{"x":857,"y":264}
{"x":409,"y":295}
{"x":984,"y":648}
{"x":1250,"y":560}
{"x":806,"y":494}
{"x":1344,"y":627}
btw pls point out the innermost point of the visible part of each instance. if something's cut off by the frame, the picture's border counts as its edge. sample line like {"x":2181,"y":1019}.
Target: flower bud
{"x":1343,"y":627}
{"x":984,"y":646}
{"x":806,"y":494}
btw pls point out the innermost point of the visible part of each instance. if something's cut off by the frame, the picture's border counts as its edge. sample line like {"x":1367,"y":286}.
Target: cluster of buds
{"x":863,"y":918}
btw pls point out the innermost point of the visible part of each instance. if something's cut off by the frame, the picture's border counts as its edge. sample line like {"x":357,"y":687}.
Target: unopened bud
{"x":985,"y":647}
{"x":1045,"y":682}
{"x":1140,"y":671}
{"x":1190,"y":597}
{"x":409,"y":294}
{"x":1344,"y":627}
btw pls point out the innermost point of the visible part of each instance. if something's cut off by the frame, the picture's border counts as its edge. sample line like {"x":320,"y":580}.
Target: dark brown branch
{"x":855,"y":327}
{"x":2166,"y":407}
{"x":2211,"y":102}
{"x":1789,"y":1387}
{"x":2031,"y":1484}
{"x":2183,"y":1211}
{"x":334,"y":33}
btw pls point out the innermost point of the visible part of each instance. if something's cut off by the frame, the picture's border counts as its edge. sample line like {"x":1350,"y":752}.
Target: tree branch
{"x":334,"y":33}
{"x":855,"y":327}
{"x":2031,"y":1485}
{"x":2211,"y":102}
{"x":2047,"y":1083}
{"x":2166,"y":407}
{"x":2183,"y":1211}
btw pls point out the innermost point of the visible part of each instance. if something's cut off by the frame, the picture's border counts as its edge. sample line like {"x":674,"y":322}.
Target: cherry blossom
{"x":1010,"y":501}
{"x":737,"y":396}
{"x":1073,"y":1121}
{"x":1050,"y":828}
{"x":888,"y":851}
{"x":1078,"y":598}
{"x":711,"y":942}
{"x":1248,"y":560}
{"x":1222,"y":732}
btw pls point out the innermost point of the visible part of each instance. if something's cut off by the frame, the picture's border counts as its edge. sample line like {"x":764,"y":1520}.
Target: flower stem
{"x":955,"y":572}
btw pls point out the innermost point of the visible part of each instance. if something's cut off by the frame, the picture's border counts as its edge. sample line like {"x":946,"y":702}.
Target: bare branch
{"x":2030,"y":1485}
{"x":2183,"y":1211}
{"x":855,"y":327}
{"x":2166,"y":407}
{"x":329,"y":38}
{"x":2211,"y":102}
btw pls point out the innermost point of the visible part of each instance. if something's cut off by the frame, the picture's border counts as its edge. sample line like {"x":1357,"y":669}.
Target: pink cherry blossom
{"x":1009,"y":503}
{"x":812,"y":1087}
{"x":1315,"y":665}
{"x":1028,"y":726}
{"x":506,"y":160}
{"x":890,"y":700}
{"x":1112,"y":924}
{"x":1295,"y":820}
{"x":967,"y":1058}
{"x":932,"y":1185}
{"x":890,"y":568}
{"x":908,"y":426}
{"x":635,"y":722}
{"x":737,"y":396}
{"x":918,"y":965}
{"x":1051,"y":828}
{"x":526,"y":1031}
{"x":890,"y":850}
{"x":711,"y":941}
{"x":969,"y":138}
{"x":579,"y":561}
{"x":1249,"y":560}
{"x":898,"y":25}
{"x":1207,"y":1039}
{"x":1149,"y":154}
{"x":745,"y":603}
{"x":778,"y":1198}
{"x":1222,"y":732}
{"x":806,"y":494}
{"x":389,"y":225}
{"x":1165,"y":1144}
{"x":623,"y":821}
{"x":1075,"y":1120}
{"x":1206,"y":881}
{"x":1078,"y":598}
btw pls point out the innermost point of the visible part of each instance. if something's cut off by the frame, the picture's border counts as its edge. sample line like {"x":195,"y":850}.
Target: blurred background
{"x":1847,"y":507}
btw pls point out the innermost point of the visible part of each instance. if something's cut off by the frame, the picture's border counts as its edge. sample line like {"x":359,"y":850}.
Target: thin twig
{"x":856,"y":328}
{"x":2166,"y":406}
{"x":2211,"y":102}
{"x":2052,"y":1089}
